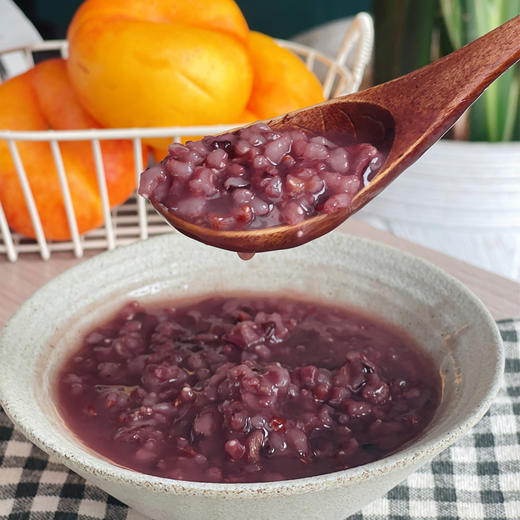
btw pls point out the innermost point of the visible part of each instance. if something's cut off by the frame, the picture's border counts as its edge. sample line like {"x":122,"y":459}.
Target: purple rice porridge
{"x":245,"y":389}
{"x":257,"y":177}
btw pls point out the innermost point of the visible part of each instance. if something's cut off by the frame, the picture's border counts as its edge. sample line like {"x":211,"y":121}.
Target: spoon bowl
{"x":402,"y":118}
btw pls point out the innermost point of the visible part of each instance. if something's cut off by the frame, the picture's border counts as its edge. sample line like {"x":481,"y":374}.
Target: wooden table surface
{"x":501,"y":296}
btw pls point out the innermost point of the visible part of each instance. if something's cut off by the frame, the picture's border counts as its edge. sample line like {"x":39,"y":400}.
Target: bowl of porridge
{"x":306,"y":382}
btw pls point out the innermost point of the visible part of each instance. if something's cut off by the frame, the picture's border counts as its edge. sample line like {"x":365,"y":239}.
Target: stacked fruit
{"x":138,"y":63}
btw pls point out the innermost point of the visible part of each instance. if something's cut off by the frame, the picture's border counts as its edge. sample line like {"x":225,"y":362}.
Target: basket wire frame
{"x":136,"y":219}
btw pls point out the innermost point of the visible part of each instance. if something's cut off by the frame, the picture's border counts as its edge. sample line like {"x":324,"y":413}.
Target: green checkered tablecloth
{"x":478,"y":478}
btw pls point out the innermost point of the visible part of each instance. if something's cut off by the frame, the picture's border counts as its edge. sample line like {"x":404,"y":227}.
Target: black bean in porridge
{"x":245,"y":389}
{"x":257,"y":177}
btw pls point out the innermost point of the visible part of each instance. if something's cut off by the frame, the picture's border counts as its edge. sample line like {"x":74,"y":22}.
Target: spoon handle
{"x":427,"y":102}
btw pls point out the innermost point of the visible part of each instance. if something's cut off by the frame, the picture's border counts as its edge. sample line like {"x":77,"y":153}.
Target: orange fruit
{"x":217,"y":15}
{"x":282,"y":83}
{"x":161,"y":63}
{"x":40,"y":99}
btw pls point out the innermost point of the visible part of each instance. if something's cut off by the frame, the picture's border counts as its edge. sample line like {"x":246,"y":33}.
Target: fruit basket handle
{"x":10,"y":250}
{"x":360,"y":34}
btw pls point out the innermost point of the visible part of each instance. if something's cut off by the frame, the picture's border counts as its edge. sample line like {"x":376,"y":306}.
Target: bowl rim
{"x":82,"y":459}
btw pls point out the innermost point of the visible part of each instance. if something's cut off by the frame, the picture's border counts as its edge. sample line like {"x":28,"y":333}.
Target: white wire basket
{"x":136,"y":219}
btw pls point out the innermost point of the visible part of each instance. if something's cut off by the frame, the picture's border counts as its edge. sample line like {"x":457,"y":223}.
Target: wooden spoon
{"x":402,"y":118}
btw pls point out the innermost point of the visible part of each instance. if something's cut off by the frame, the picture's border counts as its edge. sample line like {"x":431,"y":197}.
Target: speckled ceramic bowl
{"x":442,"y":315}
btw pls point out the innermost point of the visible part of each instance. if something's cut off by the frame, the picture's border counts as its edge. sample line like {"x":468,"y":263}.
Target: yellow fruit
{"x":281,"y":81}
{"x":40,"y":99}
{"x":163,"y":63}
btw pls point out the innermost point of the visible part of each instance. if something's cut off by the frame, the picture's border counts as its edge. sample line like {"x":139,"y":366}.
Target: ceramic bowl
{"x":446,"y":319}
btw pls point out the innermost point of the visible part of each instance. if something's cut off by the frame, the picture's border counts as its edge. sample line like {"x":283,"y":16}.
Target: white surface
{"x":326,"y":38}
{"x":15,"y":30}
{"x":459,"y":198}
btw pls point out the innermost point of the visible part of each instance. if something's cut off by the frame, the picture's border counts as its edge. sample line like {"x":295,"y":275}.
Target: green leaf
{"x":403,"y":36}
{"x":452,"y":13}
{"x":495,"y":116}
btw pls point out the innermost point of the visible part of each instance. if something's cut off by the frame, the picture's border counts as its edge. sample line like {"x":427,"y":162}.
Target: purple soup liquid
{"x":245,"y":389}
{"x":257,"y":177}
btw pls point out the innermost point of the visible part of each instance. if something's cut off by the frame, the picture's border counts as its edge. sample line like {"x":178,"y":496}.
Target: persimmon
{"x":43,"y":99}
{"x":281,"y":81}
{"x":162,"y":63}
{"x":219,"y":15}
